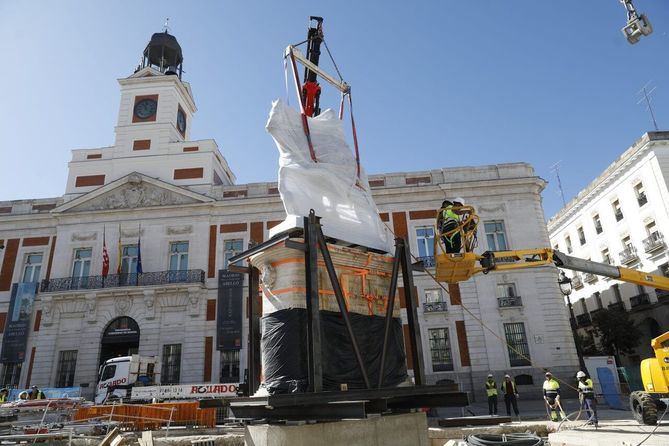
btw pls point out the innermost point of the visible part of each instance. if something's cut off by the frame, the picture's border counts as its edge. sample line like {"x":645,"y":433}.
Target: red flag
{"x":105,"y":256}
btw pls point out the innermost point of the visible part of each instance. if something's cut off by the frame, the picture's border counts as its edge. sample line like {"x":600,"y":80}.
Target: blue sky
{"x":436,"y":84}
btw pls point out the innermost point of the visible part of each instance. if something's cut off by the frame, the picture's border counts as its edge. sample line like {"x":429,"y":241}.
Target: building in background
{"x":127,"y":258}
{"x":622,"y":218}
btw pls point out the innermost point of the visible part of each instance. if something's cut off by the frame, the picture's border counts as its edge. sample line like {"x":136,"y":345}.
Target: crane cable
{"x":480,"y":321}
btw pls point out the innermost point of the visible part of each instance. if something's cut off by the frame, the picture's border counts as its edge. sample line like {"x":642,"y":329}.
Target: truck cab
{"x":117,"y":376}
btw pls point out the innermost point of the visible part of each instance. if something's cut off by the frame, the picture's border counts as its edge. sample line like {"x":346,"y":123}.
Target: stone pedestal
{"x":391,"y":430}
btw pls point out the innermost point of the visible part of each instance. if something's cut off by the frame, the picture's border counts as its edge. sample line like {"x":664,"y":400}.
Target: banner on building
{"x":229,"y":310}
{"x":15,"y":338}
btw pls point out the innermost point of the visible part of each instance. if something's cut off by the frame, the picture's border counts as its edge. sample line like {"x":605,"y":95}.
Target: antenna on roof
{"x":166,"y":26}
{"x":646,"y":92}
{"x":555,"y":168}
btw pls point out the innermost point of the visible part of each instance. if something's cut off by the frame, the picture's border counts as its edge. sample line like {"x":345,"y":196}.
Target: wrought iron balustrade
{"x":428,"y":261}
{"x":509,"y":301}
{"x":122,"y":280}
{"x":583,"y":320}
{"x":654,"y":242}
{"x":434,"y":307}
{"x":577,"y":282}
{"x":639,"y":300}
{"x":628,"y":255}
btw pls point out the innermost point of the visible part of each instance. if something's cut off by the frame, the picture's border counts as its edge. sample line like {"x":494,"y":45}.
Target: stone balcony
{"x":654,"y":242}
{"x":590,"y":278}
{"x":122,"y":280}
{"x":577,"y":282}
{"x":509,"y":301}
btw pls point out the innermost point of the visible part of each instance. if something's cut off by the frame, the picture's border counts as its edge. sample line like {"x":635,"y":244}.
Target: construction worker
{"x":586,"y":394}
{"x":491,"y":391}
{"x":3,"y":395}
{"x":552,"y":396}
{"x":36,"y":394}
{"x":448,"y":223}
{"x":510,"y":395}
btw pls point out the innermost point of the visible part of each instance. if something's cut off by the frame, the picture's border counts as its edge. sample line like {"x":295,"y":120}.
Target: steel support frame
{"x":314,"y":240}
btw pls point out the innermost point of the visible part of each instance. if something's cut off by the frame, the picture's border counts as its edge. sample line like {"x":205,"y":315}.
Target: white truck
{"x":118,"y":376}
{"x":137,"y":378}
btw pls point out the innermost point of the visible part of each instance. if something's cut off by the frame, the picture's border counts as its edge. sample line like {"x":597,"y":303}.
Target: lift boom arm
{"x":454,"y":268}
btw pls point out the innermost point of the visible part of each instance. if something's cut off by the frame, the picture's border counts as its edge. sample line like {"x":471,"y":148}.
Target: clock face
{"x":181,"y":121}
{"x":146,"y":108}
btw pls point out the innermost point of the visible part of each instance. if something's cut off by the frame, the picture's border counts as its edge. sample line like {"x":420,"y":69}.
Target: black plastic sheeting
{"x":284,"y":351}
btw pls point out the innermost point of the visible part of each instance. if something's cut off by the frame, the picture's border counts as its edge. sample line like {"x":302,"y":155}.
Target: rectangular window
{"x":598,"y":223}
{"x":598,"y":300}
{"x":627,"y":243}
{"x":616,"y":293}
{"x":640,"y":193}
{"x":651,"y":228}
{"x":11,"y":374}
{"x":171,"y":371}
{"x":32,"y":268}
{"x":664,"y":269}
{"x":433,"y":296}
{"x":616,"y":210}
{"x":495,"y":235}
{"x":440,"y":348}
{"x":506,"y":290}
{"x":425,"y":241}
{"x":128,"y":265}
{"x":567,"y":241}
{"x":67,"y":361}
{"x":178,"y":261}
{"x":231,"y":248}
{"x":584,"y":306}
{"x":81,"y":267}
{"x":516,"y":338}
{"x":230,"y":366}
{"x":581,"y":235}
{"x":606,"y":257}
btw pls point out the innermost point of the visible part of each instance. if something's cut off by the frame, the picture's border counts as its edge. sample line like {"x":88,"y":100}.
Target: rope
{"x":494,"y":333}
{"x":654,"y":429}
{"x":333,"y":61}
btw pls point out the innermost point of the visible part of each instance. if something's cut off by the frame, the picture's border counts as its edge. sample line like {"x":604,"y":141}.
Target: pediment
{"x":133,"y":191}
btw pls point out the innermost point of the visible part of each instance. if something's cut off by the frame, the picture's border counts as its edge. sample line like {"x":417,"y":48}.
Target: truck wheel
{"x":644,"y":408}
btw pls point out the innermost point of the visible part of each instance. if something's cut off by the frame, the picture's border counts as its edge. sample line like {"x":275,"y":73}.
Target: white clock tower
{"x":153,"y":131}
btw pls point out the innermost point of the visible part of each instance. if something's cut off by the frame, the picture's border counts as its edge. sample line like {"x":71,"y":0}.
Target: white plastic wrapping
{"x":328,"y":186}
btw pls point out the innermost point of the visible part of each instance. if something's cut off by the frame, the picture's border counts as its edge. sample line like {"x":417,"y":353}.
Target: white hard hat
{"x":580,"y":374}
{"x":459,"y":200}
{"x":489,"y":375}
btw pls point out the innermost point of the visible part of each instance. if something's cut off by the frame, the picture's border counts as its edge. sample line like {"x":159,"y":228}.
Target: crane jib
{"x":585,"y":266}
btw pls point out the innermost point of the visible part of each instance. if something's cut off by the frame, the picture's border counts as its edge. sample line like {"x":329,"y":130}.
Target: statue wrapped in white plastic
{"x":330,"y":186}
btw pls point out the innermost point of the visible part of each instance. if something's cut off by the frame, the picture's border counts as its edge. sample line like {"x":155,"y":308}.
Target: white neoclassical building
{"x":622,"y":218}
{"x":155,"y":194}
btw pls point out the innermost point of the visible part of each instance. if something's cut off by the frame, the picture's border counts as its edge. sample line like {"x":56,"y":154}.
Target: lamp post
{"x":566,"y":288}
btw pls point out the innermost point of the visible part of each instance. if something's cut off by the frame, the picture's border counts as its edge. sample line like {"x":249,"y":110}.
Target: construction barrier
{"x":149,"y":416}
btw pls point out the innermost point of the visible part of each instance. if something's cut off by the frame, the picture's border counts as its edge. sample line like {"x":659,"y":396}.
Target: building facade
{"x":622,"y":218}
{"x":167,"y":213}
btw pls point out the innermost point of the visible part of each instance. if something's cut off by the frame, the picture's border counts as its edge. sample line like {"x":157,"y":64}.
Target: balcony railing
{"x":628,"y":255}
{"x":577,"y":282}
{"x":434,"y":307}
{"x":122,"y":280}
{"x":639,"y":300}
{"x":620,"y":306}
{"x":654,"y":242}
{"x":428,"y":261}
{"x":509,"y":301}
{"x":589,"y":277}
{"x":583,"y":320}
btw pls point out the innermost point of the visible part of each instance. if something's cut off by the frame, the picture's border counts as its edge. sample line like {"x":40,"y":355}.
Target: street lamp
{"x":566,"y":288}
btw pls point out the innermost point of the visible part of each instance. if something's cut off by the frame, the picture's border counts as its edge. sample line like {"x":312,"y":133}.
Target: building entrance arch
{"x":120,"y":338}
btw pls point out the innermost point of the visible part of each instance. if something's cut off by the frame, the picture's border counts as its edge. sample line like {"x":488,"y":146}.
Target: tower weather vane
{"x":166,"y":25}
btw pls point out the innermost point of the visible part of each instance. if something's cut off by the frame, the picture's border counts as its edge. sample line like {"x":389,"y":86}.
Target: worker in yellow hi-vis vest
{"x":491,"y":391}
{"x":552,"y":397}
